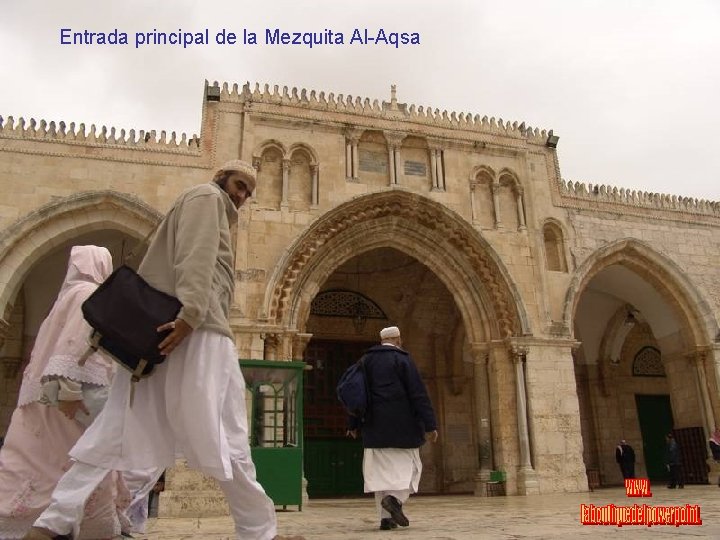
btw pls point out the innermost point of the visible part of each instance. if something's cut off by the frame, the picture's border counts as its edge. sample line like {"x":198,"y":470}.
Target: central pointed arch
{"x":461,"y":258}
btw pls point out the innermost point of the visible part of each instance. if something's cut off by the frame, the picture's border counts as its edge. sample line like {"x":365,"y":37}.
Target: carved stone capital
{"x":314,"y":168}
{"x":256,"y":163}
{"x":353,"y":135}
{"x":286,"y":163}
{"x":518,"y":353}
{"x":480,"y":353}
{"x":435,"y":144}
{"x":394,"y":138}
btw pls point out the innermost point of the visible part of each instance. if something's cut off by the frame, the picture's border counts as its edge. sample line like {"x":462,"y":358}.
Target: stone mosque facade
{"x":548,"y":318}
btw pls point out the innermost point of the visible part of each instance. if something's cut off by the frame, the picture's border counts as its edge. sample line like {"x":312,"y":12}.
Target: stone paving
{"x":466,"y":517}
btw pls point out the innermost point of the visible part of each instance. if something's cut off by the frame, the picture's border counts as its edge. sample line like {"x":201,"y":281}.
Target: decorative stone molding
{"x":328,"y":103}
{"x":611,"y":198}
{"x":94,"y":136}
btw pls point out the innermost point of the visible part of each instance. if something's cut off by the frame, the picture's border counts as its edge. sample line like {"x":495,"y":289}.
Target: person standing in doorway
{"x":399,"y":420}
{"x":673,"y":462}
{"x":195,"y":400}
{"x":625,"y":456}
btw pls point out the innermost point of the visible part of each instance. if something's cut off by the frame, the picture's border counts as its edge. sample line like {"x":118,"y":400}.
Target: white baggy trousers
{"x":195,"y":401}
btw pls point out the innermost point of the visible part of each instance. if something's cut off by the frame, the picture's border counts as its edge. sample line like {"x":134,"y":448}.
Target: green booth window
{"x":275,"y":405}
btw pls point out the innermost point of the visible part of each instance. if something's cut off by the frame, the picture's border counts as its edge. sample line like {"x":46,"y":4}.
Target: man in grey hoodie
{"x":195,"y":400}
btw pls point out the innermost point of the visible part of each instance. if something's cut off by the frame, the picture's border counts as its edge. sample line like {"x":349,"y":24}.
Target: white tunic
{"x":194,"y":401}
{"x":390,"y":469}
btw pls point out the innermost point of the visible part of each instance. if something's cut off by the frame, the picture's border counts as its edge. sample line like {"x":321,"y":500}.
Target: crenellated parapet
{"x":80,"y":134}
{"x":314,"y":100}
{"x":638,"y":199}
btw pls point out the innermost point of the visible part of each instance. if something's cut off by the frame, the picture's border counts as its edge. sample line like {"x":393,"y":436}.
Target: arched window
{"x":554,"y":248}
{"x":648,"y":363}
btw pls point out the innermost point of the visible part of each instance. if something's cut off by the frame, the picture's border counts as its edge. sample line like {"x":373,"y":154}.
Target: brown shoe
{"x":38,"y":533}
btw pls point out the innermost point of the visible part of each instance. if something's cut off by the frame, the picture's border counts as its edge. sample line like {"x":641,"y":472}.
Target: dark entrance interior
{"x":333,"y":462}
{"x":656,"y":421}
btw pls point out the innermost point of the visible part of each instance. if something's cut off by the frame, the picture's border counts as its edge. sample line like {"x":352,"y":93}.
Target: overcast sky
{"x":630,"y":86}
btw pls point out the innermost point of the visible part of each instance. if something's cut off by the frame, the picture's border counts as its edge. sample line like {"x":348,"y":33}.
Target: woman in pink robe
{"x":58,"y":400}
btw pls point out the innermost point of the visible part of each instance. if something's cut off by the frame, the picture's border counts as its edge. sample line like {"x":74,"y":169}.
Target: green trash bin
{"x":275,"y":406}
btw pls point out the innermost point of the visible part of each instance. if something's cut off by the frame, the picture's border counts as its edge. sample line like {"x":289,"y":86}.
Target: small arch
{"x":699,"y":323}
{"x":554,"y":243}
{"x":482,"y":179}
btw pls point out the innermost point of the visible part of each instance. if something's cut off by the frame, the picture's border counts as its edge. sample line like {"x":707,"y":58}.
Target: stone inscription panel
{"x":415,"y":168}
{"x":374,"y":162}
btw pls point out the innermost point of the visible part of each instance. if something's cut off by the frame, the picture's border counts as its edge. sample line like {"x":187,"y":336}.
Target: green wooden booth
{"x":275,"y":405}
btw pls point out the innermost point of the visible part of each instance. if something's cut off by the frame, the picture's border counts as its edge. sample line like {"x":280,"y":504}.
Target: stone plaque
{"x":375,"y":162}
{"x":415,"y":168}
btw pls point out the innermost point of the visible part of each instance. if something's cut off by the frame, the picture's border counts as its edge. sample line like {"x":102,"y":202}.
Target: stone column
{"x":4,"y":330}
{"x":495,"y":186}
{"x":527,"y":479}
{"x":473,"y":211}
{"x":315,"y":187}
{"x":480,"y":358}
{"x":433,"y":169}
{"x":256,"y":162}
{"x":394,"y":141}
{"x":352,"y":156}
{"x":285,"y":182}
{"x":348,"y":159}
{"x":520,"y":209}
{"x":697,"y":359}
{"x":441,"y":169}
{"x":272,"y":344}
{"x":300,"y":343}
{"x":356,"y":157}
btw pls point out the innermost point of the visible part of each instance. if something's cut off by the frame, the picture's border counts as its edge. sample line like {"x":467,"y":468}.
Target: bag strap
{"x":130,"y":259}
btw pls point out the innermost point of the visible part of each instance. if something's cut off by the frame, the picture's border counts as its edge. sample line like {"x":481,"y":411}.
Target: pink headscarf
{"x":63,"y":335}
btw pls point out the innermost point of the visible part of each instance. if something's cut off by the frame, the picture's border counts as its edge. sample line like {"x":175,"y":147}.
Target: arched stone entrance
{"x":490,"y":314}
{"x":647,"y":360}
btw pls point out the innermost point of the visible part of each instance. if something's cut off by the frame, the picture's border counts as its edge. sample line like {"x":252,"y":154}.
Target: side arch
{"x":417,"y":226}
{"x":700,"y":325}
{"x":26,"y":241}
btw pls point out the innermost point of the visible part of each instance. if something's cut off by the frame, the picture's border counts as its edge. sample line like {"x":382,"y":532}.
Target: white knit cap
{"x":244,"y":168}
{"x":389,"y":332}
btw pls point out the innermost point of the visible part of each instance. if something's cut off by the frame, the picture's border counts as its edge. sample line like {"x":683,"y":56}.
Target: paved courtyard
{"x":466,"y":517}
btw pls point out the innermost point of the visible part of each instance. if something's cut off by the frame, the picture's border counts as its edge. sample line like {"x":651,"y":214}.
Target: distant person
{"x":625,"y":456}
{"x":714,"y":444}
{"x":397,"y":424}
{"x":673,"y":462}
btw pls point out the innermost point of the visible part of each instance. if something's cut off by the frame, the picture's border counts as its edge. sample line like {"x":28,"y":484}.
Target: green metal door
{"x":333,"y":463}
{"x":656,"y":421}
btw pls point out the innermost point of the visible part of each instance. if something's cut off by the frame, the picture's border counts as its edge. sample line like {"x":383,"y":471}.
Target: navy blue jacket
{"x":400,"y":409}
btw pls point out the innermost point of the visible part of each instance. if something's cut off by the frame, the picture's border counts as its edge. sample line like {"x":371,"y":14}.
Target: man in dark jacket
{"x":400,"y":418}
{"x":625,"y":456}
{"x":674,"y":463}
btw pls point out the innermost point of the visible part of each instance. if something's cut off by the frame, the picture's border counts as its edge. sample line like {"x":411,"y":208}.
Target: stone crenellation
{"x":312,"y":99}
{"x":612,"y":194}
{"x":72,"y":133}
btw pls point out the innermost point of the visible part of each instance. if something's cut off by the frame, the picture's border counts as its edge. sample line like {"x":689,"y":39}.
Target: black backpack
{"x":353,"y":390}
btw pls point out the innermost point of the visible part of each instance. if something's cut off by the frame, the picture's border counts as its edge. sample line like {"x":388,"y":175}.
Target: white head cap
{"x":390,"y":332}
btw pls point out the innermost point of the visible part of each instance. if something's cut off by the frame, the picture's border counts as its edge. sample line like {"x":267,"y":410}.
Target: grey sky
{"x":630,"y":86}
